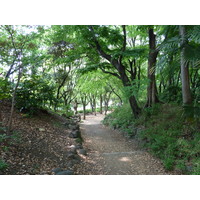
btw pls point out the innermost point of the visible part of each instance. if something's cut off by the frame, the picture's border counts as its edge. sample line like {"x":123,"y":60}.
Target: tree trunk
{"x":186,"y":93}
{"x":84,"y":103}
{"x":134,"y":106}
{"x":101,"y":102}
{"x":75,"y":107}
{"x":84,"y":112}
{"x":160,"y":87}
{"x":94,"y":104}
{"x":91,"y":104}
{"x":152,"y":94}
{"x":139,"y":75}
{"x":9,"y":126}
{"x":113,"y":90}
{"x":1,"y":119}
{"x":136,"y":110}
{"x":105,"y":107}
{"x":106,"y":101}
{"x":117,"y":63}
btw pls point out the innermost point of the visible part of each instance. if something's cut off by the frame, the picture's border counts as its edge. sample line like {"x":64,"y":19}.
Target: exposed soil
{"x":110,"y":153}
{"x":41,"y":145}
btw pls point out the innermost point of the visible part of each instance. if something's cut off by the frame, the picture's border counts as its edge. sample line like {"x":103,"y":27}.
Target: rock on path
{"x":110,"y":153}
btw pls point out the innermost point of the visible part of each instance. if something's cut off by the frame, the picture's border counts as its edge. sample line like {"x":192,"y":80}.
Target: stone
{"x":82,"y":151}
{"x":69,"y":123}
{"x":71,"y":155}
{"x":189,"y":168}
{"x":78,"y":117}
{"x":77,"y":157}
{"x":74,"y":126}
{"x":74,"y":134}
{"x":65,"y":172}
{"x":79,"y":146}
{"x":56,"y":170}
{"x":73,"y":148}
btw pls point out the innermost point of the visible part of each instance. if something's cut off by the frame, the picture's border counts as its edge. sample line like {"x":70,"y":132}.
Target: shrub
{"x":5,"y":89}
{"x":171,"y":94}
{"x":32,"y":94}
{"x":121,"y":118}
{"x":170,"y":137}
{"x":166,"y":132}
{"x":196,"y":167}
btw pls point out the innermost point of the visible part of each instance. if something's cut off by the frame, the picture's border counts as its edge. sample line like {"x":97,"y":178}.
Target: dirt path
{"x":109,"y":152}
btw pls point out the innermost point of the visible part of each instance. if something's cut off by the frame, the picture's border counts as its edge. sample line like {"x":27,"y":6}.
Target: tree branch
{"x":113,"y":90}
{"x":124,"y":43}
{"x":112,"y":73}
{"x":99,"y":48}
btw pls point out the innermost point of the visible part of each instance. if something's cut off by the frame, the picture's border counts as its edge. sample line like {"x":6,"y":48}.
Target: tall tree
{"x":118,"y":65}
{"x":21,"y":43}
{"x":152,"y":94}
{"x":186,"y":93}
{"x":20,"y":73}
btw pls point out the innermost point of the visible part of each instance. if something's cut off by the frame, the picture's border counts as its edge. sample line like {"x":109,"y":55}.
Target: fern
{"x":193,"y":33}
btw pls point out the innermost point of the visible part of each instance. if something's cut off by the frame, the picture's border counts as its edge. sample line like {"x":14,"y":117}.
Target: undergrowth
{"x":121,"y":119}
{"x":167,"y":131}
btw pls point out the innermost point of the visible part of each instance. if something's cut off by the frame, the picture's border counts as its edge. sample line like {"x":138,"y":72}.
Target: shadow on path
{"x":110,"y":153}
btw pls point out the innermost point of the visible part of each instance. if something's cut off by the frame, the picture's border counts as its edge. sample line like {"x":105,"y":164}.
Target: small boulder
{"x":82,"y":152}
{"x":75,"y":134}
{"x":74,"y":126}
{"x":72,"y":148}
{"x":71,"y":155}
{"x":78,"y":117}
{"x":79,"y":146}
{"x":65,"y":172}
{"x":56,"y":170}
{"x":189,"y":168}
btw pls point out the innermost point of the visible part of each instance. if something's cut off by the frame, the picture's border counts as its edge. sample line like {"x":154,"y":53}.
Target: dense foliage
{"x":67,"y":69}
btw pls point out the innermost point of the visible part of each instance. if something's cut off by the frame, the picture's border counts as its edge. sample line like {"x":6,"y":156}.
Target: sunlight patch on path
{"x":110,"y":153}
{"x":118,"y":153}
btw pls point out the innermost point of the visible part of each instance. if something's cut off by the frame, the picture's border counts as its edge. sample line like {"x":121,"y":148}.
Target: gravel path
{"x":110,"y":153}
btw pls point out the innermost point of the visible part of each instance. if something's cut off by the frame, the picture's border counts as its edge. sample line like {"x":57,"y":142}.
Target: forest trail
{"x":110,"y":153}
